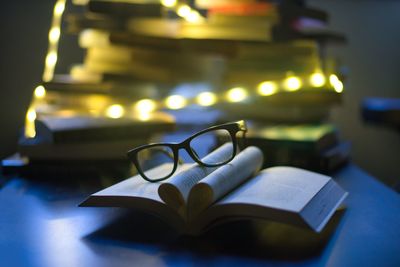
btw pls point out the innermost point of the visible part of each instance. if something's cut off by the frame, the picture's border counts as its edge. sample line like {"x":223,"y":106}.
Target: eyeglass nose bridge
{"x":176,"y":157}
{"x":190,"y":151}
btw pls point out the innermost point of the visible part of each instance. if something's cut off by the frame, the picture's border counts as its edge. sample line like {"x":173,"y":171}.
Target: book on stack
{"x":90,"y":138}
{"x":84,"y":141}
{"x":303,"y":106}
{"x":314,"y":147}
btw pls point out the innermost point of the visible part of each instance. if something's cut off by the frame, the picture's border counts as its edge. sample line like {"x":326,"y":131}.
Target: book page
{"x":176,"y":189}
{"x":224,"y":179}
{"x":283,"y":194}
{"x":285,"y":188}
{"x":135,"y":192}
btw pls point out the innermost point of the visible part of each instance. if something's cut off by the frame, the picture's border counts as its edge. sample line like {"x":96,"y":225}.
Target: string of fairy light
{"x":183,"y":10}
{"x":144,"y":107}
{"x":233,"y":95}
{"x":50,"y":64}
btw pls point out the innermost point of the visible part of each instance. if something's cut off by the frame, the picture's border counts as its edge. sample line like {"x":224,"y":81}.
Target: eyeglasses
{"x":149,"y":156}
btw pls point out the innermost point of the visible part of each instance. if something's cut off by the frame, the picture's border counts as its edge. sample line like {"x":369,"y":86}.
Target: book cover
{"x":77,"y":129}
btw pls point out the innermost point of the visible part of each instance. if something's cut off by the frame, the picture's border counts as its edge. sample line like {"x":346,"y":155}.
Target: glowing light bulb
{"x":144,"y":116}
{"x":59,"y":7}
{"x":333,"y":79}
{"x":145,"y":106}
{"x":236,"y":94}
{"x":184,"y":11}
{"x":30,"y":130}
{"x":31,"y":115}
{"x":40,"y":92}
{"x":336,"y":83}
{"x":317,"y":79}
{"x":54,"y":34}
{"x":175,"y":102}
{"x":115,"y":111}
{"x":267,"y":88}
{"x":292,"y":83}
{"x":206,"y":99}
{"x":168,"y":3}
{"x":338,"y":87}
{"x":194,"y":17}
{"x":51,"y":59}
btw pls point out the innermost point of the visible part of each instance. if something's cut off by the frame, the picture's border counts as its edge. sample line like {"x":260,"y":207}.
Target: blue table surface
{"x":41,"y":225}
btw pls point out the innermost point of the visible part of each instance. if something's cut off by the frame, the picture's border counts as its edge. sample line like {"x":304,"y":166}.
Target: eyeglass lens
{"x":208,"y":139}
{"x":151,"y":157}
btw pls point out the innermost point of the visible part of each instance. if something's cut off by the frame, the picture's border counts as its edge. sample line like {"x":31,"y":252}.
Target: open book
{"x":196,"y":198}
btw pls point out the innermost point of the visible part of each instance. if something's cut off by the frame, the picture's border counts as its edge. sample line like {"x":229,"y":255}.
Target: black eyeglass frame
{"x":233,"y":128}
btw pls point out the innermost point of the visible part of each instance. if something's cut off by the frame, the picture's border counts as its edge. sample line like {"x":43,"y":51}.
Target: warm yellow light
{"x":168,"y":3}
{"x":115,"y":111}
{"x":67,"y":113}
{"x":31,"y":115}
{"x":89,"y":37}
{"x":194,"y":17}
{"x":317,"y":79}
{"x":175,"y":102}
{"x":184,"y":11}
{"x":292,"y":83}
{"x":336,"y":83}
{"x":145,"y":106}
{"x":338,"y":86}
{"x":40,"y":92}
{"x":144,"y":116}
{"x":80,"y":2}
{"x":236,"y":94}
{"x":206,"y":99}
{"x":96,"y":102}
{"x":267,"y":88}
{"x":51,"y":59}
{"x":333,"y":79}
{"x":59,"y":8}
{"x":30,"y":131}
{"x":54,"y":34}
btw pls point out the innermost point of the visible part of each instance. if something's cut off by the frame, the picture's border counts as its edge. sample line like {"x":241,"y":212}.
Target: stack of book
{"x":84,"y":145}
{"x":315,"y":147}
{"x":270,"y":53}
{"x":261,"y":60}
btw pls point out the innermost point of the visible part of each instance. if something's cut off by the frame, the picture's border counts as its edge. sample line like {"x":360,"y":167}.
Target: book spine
{"x":125,"y":9}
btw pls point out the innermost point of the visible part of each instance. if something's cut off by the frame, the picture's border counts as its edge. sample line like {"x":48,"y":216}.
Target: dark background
{"x":372,"y":56}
